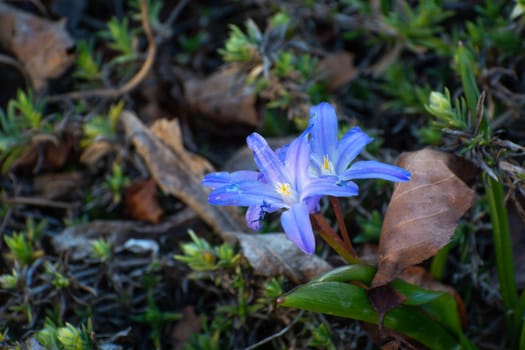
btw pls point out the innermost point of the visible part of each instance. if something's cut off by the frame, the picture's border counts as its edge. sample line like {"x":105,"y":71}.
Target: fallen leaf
{"x":384,"y":298}
{"x":140,"y":201}
{"x":224,"y":96}
{"x":172,"y":173}
{"x":170,"y":133}
{"x":57,"y":185}
{"x":188,"y":325}
{"x":47,"y":152}
{"x":43,"y":47}
{"x":337,"y":69}
{"x":273,"y":254}
{"x":179,"y":173}
{"x":423,"y":213}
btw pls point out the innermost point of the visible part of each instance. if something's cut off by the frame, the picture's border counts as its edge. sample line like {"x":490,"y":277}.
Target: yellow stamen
{"x":284,"y":189}
{"x":326,"y":163}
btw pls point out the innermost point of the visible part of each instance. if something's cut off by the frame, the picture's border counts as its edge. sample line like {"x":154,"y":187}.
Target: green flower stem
{"x":504,"y":257}
{"x":342,"y":226}
{"x":328,"y":234}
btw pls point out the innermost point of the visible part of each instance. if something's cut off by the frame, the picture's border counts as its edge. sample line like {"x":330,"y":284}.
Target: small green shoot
{"x":9,"y":281}
{"x":116,"y":182}
{"x":102,"y":128}
{"x":101,"y":250}
{"x":87,"y":63}
{"x":241,"y":47}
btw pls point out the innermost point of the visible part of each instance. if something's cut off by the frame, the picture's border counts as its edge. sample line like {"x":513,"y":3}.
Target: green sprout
{"x":101,"y":249}
{"x":72,"y":338}
{"x":9,"y":281}
{"x":22,"y":120}
{"x":116,"y":182}
{"x":58,"y":280}
{"x":120,"y":38}
{"x":321,"y":337}
{"x":21,"y":248}
{"x":87,"y":63}
{"x":102,"y":128}
{"x":155,"y":317}
{"x":202,"y":257}
{"x":241,"y":47}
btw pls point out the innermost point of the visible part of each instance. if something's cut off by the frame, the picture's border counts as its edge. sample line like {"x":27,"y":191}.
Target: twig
{"x":133,"y":82}
{"x":276,"y":335}
{"x":42,"y":202}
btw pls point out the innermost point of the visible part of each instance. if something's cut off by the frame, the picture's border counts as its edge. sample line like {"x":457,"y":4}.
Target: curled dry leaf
{"x":176,"y":174}
{"x":424,"y":212}
{"x":140,"y":201}
{"x":43,"y":47}
{"x":224,"y":96}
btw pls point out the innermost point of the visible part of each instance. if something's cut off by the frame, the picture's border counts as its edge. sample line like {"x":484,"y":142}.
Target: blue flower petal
{"x":371,"y":169}
{"x":330,"y":186}
{"x":350,"y":145}
{"x":267,"y":161}
{"x":254,"y":216}
{"x":296,"y":224}
{"x":324,"y":130}
{"x":298,"y":160}
{"x":246,"y":194}
{"x":219,"y":179}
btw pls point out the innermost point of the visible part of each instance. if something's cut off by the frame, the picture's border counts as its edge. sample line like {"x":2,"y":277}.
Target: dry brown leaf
{"x":423,"y":213}
{"x":176,"y":173}
{"x":46,"y":153}
{"x":140,"y":201}
{"x":188,"y":325}
{"x":338,"y":69}
{"x":57,"y":185}
{"x":169,"y":132}
{"x":272,"y":254}
{"x":44,"y":47}
{"x":176,"y":176}
{"x":224,"y":97}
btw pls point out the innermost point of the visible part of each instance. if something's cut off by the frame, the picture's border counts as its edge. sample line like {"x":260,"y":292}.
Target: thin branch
{"x":276,"y":335}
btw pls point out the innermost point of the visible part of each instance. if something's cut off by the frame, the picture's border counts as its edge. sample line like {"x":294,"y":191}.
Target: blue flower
{"x":284,"y":182}
{"x":332,"y":156}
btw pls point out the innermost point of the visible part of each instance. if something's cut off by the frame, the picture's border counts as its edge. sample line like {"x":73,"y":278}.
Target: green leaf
{"x":350,"y":301}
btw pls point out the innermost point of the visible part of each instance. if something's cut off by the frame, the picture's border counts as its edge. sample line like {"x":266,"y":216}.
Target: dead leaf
{"x":338,"y":69}
{"x":188,"y":325}
{"x":272,"y":254}
{"x":170,"y":133}
{"x":383,"y":299}
{"x":57,"y":185}
{"x":179,"y":173}
{"x":140,"y":201}
{"x":170,"y":169}
{"x":47,"y":152}
{"x":224,"y":96}
{"x":423,"y":213}
{"x":44,"y":47}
